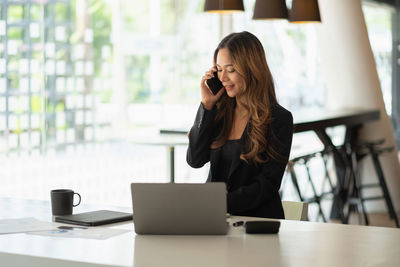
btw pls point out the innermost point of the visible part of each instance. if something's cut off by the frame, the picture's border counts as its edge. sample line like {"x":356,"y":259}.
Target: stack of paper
{"x":24,"y":225}
{"x":36,"y":227}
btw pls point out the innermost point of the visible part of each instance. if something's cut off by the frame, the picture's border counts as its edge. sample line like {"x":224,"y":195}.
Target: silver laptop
{"x":192,"y":209}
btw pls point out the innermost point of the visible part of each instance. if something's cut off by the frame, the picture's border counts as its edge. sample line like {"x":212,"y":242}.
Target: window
{"x":292,"y":55}
{"x":379,"y":24}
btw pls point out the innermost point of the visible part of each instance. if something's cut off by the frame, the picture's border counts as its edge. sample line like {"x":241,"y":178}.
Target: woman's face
{"x":234,"y":83}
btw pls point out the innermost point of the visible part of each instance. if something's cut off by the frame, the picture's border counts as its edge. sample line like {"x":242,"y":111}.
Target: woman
{"x":242,"y":130}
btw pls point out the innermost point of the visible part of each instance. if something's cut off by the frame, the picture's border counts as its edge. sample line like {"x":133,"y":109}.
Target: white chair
{"x":297,"y":211}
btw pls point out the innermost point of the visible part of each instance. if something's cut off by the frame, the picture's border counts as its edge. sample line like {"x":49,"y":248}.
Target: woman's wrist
{"x":208,"y":105}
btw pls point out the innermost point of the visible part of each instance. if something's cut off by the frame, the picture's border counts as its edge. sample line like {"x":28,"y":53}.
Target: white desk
{"x":297,"y":244}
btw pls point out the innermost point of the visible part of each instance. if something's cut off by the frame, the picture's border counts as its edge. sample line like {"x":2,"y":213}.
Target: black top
{"x":228,"y":153}
{"x":253,"y":188}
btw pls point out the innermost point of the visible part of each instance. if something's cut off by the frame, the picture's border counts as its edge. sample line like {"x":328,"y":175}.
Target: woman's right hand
{"x":208,"y":99}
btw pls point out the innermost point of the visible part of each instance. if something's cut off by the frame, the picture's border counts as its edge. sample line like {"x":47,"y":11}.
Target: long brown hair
{"x":248,"y":59}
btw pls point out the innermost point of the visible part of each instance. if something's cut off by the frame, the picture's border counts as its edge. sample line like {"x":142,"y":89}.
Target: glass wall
{"x":46,"y":74}
{"x":79,"y":78}
{"x":71,"y":69}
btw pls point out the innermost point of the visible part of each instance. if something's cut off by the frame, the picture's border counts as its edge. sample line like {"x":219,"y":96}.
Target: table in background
{"x":297,"y":244}
{"x":170,"y":141}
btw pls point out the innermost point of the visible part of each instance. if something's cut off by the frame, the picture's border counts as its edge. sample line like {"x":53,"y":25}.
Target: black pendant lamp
{"x":223,"y":6}
{"x":304,"y":11}
{"x":270,"y":9}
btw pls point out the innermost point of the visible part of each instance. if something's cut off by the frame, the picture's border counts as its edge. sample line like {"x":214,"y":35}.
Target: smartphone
{"x":214,"y":84}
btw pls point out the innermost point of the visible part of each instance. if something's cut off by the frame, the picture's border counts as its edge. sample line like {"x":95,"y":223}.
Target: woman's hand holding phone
{"x":208,"y":98}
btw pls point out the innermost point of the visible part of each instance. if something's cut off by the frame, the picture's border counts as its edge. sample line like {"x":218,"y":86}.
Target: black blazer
{"x":252,"y":188}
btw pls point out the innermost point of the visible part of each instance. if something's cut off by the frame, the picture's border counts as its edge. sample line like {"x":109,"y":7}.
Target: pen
{"x":64,"y":227}
{"x":238,"y":223}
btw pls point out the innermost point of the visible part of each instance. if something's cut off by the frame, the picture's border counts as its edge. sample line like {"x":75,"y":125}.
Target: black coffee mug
{"x":62,"y":201}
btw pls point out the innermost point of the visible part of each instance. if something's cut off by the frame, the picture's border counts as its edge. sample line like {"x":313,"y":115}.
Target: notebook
{"x":95,"y":218}
{"x":195,"y":209}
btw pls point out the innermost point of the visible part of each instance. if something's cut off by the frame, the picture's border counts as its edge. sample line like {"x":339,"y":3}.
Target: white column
{"x":352,"y":81}
{"x":155,"y":56}
{"x":225,"y":25}
{"x":120,"y":102}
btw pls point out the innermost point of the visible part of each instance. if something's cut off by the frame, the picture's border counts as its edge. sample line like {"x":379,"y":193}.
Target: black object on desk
{"x":259,"y":227}
{"x":262,"y":227}
{"x":95,"y":218}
